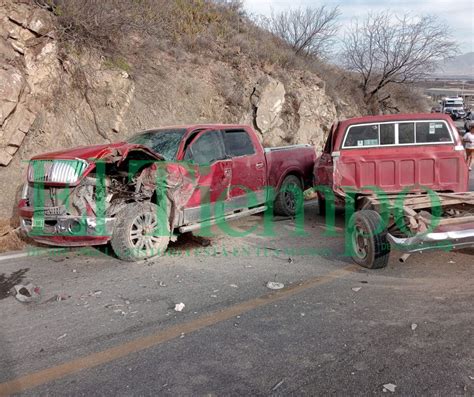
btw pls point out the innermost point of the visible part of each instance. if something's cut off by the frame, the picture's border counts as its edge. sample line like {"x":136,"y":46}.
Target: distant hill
{"x":462,"y":65}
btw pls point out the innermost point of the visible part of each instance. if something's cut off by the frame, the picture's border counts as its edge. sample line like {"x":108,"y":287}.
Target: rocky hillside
{"x":53,"y":96}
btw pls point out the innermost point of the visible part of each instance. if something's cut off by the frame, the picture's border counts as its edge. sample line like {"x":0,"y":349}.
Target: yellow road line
{"x":41,"y":377}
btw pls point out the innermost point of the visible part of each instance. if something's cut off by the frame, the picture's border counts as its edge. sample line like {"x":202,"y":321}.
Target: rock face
{"x":46,"y":104}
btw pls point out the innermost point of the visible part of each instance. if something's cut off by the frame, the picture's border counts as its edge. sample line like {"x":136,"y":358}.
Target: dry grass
{"x":10,"y":239}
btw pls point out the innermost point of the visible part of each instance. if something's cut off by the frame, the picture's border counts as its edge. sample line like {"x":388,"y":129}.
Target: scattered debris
{"x":471,"y":377}
{"x":162,"y":284}
{"x":277,"y":385}
{"x":233,"y":286}
{"x":364,"y":282}
{"x":213,"y":296}
{"x":290,"y":260}
{"x":451,"y":262}
{"x":389,"y":387}
{"x":179,"y":307}
{"x":26,"y":293}
{"x":414,"y":326}
{"x":61,"y":337}
{"x":356,"y":289}
{"x":275,"y":285}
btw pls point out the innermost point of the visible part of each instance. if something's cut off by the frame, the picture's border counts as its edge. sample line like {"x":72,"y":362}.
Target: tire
{"x":286,"y":201}
{"x":321,"y":206}
{"x":370,"y":250}
{"x":132,"y":238}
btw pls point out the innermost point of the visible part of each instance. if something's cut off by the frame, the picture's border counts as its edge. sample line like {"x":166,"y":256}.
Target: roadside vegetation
{"x":380,"y":53}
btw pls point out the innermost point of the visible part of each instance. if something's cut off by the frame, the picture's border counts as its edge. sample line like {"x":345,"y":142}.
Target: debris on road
{"x":356,"y":289}
{"x":414,"y":326}
{"x":233,"y":286}
{"x":389,"y":387}
{"x":274,"y":388}
{"x":162,"y":284}
{"x":179,"y":307}
{"x":290,"y":260}
{"x":26,"y":293}
{"x":275,"y":285}
{"x":61,"y":337}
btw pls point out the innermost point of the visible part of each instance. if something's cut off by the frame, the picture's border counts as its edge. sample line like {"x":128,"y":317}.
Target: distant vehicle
{"x":451,"y":103}
{"x":456,"y":114}
{"x":436,"y":109}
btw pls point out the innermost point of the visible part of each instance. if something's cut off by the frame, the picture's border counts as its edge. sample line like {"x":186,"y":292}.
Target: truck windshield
{"x":164,"y":141}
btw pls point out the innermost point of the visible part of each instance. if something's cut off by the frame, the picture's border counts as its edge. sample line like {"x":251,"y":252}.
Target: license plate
{"x":37,"y":223}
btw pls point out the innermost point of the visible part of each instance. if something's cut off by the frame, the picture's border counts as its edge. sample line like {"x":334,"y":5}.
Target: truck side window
{"x":206,"y":149}
{"x":387,"y":134}
{"x":238,"y":143}
{"x":362,"y":135}
{"x":406,"y":133}
{"x":432,"y":131}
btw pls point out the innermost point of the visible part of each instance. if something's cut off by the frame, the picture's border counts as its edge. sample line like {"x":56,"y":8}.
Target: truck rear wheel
{"x":369,"y":249}
{"x":134,"y":238}
{"x":289,"y":197}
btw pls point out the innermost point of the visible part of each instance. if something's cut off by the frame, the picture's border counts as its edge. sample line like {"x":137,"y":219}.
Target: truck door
{"x":248,"y":168}
{"x":206,"y":157}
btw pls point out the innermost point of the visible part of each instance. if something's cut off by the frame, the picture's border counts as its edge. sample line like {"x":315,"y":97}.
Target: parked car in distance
{"x":456,"y":114}
{"x":208,"y":173}
{"x":436,"y":109}
{"x":378,"y":158}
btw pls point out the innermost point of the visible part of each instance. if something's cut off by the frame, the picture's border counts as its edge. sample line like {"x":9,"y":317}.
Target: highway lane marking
{"x":92,"y":360}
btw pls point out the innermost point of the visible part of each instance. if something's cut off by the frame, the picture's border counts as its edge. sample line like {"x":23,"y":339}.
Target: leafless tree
{"x":385,"y":49}
{"x":309,"y":31}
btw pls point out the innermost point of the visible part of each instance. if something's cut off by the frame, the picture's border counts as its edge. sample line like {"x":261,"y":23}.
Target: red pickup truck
{"x":406,"y":178}
{"x":175,"y":179}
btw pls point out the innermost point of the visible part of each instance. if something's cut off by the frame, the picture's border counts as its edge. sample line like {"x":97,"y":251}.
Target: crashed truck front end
{"x":74,"y":201}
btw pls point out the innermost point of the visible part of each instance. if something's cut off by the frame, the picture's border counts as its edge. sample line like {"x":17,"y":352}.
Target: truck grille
{"x":56,"y":171}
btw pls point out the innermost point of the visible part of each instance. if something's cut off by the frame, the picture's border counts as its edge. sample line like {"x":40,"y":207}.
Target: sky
{"x":458,"y":15}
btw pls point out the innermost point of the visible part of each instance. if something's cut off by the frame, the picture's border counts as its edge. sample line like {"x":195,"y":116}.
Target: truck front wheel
{"x":141,"y":231}
{"x":289,"y":197}
{"x":370,"y":246}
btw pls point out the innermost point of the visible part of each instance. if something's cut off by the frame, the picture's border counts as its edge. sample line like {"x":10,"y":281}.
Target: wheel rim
{"x":289,"y":197}
{"x":142,"y":235}
{"x":360,"y":242}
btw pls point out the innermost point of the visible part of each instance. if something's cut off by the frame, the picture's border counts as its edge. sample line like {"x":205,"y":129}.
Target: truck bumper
{"x":437,"y":240}
{"x":69,"y":231}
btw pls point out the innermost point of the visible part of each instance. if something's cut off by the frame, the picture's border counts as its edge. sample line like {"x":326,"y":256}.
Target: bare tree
{"x":309,"y":31}
{"x":384,"y":49}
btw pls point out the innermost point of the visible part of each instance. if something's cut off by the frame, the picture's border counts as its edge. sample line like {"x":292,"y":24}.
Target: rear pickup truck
{"x":403,"y":179}
{"x":139,"y":193}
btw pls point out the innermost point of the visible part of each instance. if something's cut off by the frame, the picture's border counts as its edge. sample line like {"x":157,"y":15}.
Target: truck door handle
{"x":259,"y":165}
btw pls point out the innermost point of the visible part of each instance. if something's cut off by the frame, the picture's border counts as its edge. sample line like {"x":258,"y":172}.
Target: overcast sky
{"x":457,"y":14}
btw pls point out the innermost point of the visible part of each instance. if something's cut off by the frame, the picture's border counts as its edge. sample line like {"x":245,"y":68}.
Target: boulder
{"x":268,"y":99}
{"x":11,"y":84}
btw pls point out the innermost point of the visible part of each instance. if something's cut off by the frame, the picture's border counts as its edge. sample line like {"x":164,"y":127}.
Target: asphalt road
{"x":334,"y":329}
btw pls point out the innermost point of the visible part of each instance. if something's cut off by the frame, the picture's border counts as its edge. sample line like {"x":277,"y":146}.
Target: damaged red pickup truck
{"x":404,"y":177}
{"x":174,"y":179}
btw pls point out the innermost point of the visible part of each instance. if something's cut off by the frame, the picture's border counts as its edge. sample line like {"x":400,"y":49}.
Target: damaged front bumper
{"x":68,"y":230}
{"x":445,"y":240}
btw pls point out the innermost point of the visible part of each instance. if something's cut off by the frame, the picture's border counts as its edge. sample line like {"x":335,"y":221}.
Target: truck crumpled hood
{"x":97,"y":152}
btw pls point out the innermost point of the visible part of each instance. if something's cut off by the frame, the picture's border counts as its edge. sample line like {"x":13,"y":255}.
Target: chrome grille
{"x":56,"y":171}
